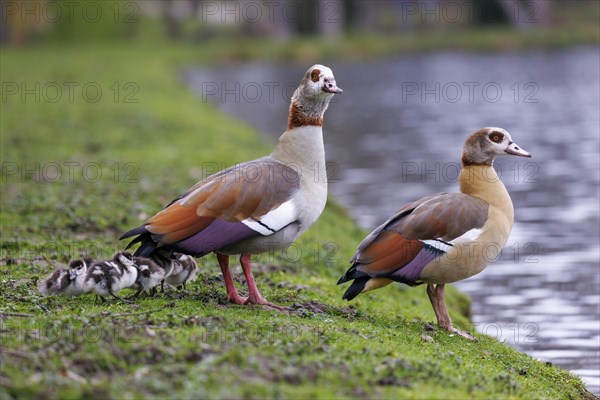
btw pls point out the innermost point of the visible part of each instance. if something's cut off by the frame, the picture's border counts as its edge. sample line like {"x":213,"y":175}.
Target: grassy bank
{"x":79,"y":170}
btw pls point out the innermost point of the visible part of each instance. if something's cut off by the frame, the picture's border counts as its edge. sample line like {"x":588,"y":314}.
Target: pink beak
{"x":514,"y":150}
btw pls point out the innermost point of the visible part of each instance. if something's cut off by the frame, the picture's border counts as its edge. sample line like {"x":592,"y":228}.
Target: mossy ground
{"x":127,"y":160}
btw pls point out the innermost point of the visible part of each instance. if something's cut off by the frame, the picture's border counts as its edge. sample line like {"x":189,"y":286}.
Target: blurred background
{"x":522,"y":22}
{"x":418,"y":77}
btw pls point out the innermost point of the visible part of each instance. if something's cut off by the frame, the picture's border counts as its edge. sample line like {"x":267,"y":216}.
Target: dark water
{"x":395,"y":135}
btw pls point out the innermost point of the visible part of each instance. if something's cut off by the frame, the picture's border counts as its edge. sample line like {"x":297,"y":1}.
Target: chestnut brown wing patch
{"x":248,"y":190}
{"x":398,"y":242}
{"x":388,"y":251}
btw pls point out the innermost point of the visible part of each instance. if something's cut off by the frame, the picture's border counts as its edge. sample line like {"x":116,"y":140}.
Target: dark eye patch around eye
{"x":496,"y":137}
{"x":315,"y":75}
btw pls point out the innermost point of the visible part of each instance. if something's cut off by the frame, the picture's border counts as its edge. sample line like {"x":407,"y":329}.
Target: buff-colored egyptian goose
{"x":446,"y":237}
{"x":257,"y":206}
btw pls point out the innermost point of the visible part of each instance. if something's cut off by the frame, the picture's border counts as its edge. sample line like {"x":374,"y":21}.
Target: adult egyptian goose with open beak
{"x":254,"y":207}
{"x":446,"y":237}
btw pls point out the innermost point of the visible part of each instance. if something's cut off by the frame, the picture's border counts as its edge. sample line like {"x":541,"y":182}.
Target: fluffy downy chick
{"x":179,"y":268}
{"x":66,"y":282}
{"x":150,"y":275}
{"x":106,"y":278}
{"x":183,"y":270}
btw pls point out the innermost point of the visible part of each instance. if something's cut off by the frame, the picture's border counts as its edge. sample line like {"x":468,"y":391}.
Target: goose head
{"x":319,"y":82}
{"x":77,"y":268}
{"x":317,"y":85}
{"x":488,"y":143}
{"x":311,"y":98}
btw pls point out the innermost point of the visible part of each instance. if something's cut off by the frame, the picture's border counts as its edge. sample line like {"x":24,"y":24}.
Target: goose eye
{"x":315,"y":75}
{"x":495,"y":138}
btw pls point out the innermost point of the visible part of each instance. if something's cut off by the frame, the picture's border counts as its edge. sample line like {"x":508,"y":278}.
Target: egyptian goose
{"x":254,"y":207}
{"x":178,"y":268}
{"x":183,"y":270}
{"x":66,"y":282}
{"x":446,"y":237}
{"x":56,"y":283}
{"x":106,"y":278}
{"x":149,"y":275}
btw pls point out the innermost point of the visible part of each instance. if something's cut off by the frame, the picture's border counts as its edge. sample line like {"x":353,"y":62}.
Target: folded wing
{"x":254,"y":198}
{"x":418,"y":233}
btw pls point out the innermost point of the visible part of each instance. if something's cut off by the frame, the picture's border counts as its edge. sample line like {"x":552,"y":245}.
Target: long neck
{"x":302,"y":143}
{"x":302,"y":146}
{"x":483,"y":182}
{"x":307,"y":110}
{"x":300,"y":116}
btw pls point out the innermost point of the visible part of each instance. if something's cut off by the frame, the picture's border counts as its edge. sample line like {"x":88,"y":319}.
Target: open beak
{"x":514,"y":150}
{"x":331,"y":87}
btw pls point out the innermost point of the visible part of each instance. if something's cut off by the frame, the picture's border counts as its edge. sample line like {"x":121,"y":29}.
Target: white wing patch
{"x":471,"y":235}
{"x":438,"y":245}
{"x":274,"y":220}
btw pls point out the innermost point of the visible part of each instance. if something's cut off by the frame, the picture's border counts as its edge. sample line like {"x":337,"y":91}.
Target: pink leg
{"x":436,"y":295}
{"x":254,"y":296}
{"x":232,"y":294}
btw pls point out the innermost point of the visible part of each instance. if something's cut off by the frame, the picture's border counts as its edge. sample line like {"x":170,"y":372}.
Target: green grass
{"x":196,"y":344}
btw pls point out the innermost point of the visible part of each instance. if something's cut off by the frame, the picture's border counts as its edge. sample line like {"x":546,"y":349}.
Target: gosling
{"x":150,"y":275}
{"x":179,"y":268}
{"x":106,"y":278}
{"x":184,"y":269}
{"x":66,"y":282}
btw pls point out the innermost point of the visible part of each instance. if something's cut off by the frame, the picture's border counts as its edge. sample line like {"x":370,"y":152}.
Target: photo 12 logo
{"x":68,"y":171}
{"x":69,"y":11}
{"x":456,"y":12}
{"x":66,"y":332}
{"x":250,"y":12}
{"x":450,"y":172}
{"x":469,"y":92}
{"x":69,"y":92}
{"x":511,"y":332}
